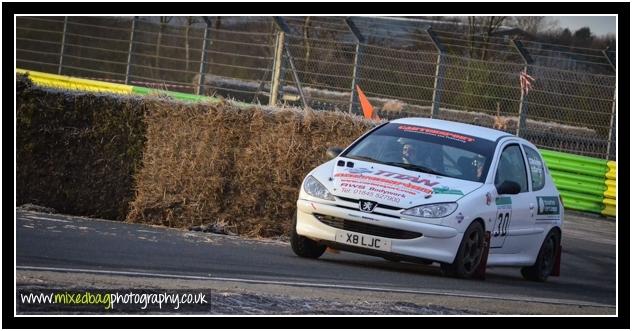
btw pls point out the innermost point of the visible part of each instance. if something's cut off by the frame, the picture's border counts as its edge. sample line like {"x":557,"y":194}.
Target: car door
{"x":545,"y":197}
{"x":514,"y":216}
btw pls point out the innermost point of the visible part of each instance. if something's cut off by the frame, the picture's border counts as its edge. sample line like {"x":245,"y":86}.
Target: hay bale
{"x":241,"y":168}
{"x":187,"y":164}
{"x":283,"y":146}
{"x":77,"y":152}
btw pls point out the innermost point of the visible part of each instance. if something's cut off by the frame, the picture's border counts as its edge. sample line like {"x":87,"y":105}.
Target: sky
{"x":599,"y":25}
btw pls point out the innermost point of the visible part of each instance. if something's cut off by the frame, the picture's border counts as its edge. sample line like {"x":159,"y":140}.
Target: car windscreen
{"x":428,"y":150}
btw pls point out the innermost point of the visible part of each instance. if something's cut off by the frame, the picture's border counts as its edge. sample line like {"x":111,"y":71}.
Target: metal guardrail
{"x":405,"y":68}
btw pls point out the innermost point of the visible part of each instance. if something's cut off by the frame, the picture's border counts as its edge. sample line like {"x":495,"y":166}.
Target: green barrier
{"x":566,"y":185}
{"x":582,"y":202}
{"x":578,"y":183}
{"x":584,"y":165}
{"x":577,"y":158}
{"x":185,"y":96}
{"x":175,"y":95}
{"x":585,"y":183}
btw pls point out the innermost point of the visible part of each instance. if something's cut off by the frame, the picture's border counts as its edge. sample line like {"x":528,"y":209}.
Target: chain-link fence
{"x":405,"y":67}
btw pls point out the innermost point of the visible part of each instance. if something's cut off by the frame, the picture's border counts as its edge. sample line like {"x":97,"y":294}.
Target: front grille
{"x":356,"y":201}
{"x":374,"y":230}
{"x":372,"y":213}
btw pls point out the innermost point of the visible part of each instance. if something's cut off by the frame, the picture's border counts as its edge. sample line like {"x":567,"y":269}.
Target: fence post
{"x":612,"y":129}
{"x":356,"y":60}
{"x":200,"y":86}
{"x":129,"y":52}
{"x":522,"y":111}
{"x":63,"y":43}
{"x":280,"y":23}
{"x":439,"y":73}
{"x":276,"y":68}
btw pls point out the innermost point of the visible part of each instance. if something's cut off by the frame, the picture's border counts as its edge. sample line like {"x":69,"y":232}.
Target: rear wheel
{"x":469,"y":255}
{"x":545,"y":262}
{"x":305,"y":247}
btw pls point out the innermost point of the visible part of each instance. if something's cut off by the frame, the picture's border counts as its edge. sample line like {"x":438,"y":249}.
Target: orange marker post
{"x":367,"y":109}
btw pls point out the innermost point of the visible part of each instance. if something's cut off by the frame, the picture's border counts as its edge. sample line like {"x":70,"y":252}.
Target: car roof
{"x":472,"y":130}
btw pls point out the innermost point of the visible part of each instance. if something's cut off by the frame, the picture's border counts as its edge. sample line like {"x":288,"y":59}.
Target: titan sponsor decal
{"x":389,"y":174}
{"x":548,"y":205}
{"x":382,"y":185}
{"x":437,"y":133}
{"x":413,"y":179}
{"x":391,"y":184}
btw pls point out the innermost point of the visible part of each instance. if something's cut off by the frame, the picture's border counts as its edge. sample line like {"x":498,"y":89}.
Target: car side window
{"x":537,"y":168}
{"x":511,"y":167}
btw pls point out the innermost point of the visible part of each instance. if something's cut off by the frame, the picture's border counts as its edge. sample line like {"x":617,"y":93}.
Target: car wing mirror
{"x":333,"y":152}
{"x":508,"y":187}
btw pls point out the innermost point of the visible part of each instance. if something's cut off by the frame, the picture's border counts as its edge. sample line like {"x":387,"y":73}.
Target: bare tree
{"x":533,"y":24}
{"x":479,"y":30}
{"x":491,"y":24}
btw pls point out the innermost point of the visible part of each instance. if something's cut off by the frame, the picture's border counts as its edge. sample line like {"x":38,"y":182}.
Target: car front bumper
{"x":437,"y":243}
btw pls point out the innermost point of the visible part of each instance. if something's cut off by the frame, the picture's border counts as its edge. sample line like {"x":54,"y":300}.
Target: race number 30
{"x":502,"y":220}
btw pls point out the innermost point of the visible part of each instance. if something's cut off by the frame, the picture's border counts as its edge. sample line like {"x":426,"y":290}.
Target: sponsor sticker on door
{"x":548,"y":205}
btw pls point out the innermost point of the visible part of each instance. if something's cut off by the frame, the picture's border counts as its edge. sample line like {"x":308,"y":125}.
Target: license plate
{"x":363,"y":240}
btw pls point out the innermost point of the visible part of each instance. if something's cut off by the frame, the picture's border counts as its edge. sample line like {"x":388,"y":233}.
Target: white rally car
{"x":426,"y":190}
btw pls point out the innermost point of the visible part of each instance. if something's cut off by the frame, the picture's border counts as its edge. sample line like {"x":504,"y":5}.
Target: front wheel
{"x":545,"y":262}
{"x":305,"y":247}
{"x":469,"y":255}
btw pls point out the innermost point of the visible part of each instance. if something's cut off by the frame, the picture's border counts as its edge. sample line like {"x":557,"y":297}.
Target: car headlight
{"x":314,"y":188}
{"x":432,"y":211}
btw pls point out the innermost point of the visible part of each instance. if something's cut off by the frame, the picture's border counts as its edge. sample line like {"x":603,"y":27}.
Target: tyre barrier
{"x":585,"y":183}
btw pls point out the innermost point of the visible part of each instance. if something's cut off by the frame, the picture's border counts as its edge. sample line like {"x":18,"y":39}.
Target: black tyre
{"x":545,"y":262}
{"x":305,"y":247}
{"x":469,"y":254}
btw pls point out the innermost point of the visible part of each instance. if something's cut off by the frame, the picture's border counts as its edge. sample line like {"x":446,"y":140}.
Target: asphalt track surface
{"x":76,"y":244}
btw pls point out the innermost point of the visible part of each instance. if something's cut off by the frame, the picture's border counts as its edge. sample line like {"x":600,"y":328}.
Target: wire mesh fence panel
{"x":325,"y":71}
{"x":38,"y":42}
{"x":400,"y":81}
{"x":406,"y":67}
{"x":238,"y":63}
{"x":96,"y":47}
{"x":577,"y":107}
{"x":165,"y":55}
{"x":486,"y":93}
